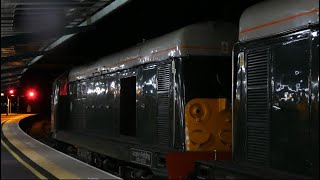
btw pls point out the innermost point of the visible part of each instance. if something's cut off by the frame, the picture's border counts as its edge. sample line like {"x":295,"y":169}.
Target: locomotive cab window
{"x":128,"y":106}
{"x":207,"y":77}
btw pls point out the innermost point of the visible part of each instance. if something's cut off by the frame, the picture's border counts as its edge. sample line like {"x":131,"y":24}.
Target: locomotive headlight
{"x":197,"y":112}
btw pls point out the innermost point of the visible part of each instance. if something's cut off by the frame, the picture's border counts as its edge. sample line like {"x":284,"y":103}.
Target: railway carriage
{"x":275,"y":95}
{"x":142,"y":110}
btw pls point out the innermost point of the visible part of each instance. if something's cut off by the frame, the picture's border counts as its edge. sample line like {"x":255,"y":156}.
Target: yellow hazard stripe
{"x":35,"y":172}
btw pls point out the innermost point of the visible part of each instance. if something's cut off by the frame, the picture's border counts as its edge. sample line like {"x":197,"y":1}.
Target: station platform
{"x":23,"y":157}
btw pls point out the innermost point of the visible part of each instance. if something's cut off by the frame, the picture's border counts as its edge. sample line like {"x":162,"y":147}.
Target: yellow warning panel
{"x":208,"y":125}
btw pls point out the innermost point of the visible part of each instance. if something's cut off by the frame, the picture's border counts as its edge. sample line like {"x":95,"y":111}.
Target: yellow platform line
{"x":43,"y":162}
{"x":35,"y":172}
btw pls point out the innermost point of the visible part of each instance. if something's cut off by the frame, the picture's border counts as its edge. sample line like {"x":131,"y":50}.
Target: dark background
{"x":127,"y":26}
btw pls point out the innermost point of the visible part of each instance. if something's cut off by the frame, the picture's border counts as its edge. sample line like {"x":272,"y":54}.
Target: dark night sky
{"x":129,"y":25}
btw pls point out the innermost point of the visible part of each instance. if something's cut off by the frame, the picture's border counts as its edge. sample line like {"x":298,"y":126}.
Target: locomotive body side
{"x":130,"y":106}
{"x":275,"y":102}
{"x":275,"y":95}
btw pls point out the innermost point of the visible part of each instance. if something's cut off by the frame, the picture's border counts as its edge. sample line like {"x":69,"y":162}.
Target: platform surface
{"x":23,"y":157}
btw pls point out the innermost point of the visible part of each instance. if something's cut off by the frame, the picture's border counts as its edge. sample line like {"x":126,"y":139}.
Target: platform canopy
{"x":30,"y":29}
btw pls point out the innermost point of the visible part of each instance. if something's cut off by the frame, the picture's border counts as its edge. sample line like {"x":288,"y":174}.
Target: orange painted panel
{"x":208,"y":125}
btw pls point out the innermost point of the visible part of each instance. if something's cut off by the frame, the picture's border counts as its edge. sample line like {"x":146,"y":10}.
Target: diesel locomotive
{"x":153,"y":109}
{"x":275,"y":95}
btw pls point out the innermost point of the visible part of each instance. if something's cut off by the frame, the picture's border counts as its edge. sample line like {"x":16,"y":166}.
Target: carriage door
{"x":109,"y":105}
{"x":128,"y":120}
{"x":291,"y":126}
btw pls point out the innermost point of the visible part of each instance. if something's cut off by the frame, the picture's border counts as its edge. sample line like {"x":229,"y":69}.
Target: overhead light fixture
{"x":6,"y":25}
{"x":7,"y":15}
{"x":6,"y":21}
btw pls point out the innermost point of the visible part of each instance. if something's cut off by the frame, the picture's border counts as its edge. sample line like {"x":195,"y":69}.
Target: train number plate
{"x":141,"y":157}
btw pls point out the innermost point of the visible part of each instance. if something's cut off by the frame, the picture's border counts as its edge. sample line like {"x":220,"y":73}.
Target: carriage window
{"x":128,"y":106}
{"x":84,"y":89}
{"x":72,"y":89}
{"x":81,"y":90}
{"x":78,"y":90}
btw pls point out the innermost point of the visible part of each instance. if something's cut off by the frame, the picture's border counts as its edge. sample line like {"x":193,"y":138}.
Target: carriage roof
{"x":207,"y":38}
{"x":275,"y":16}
